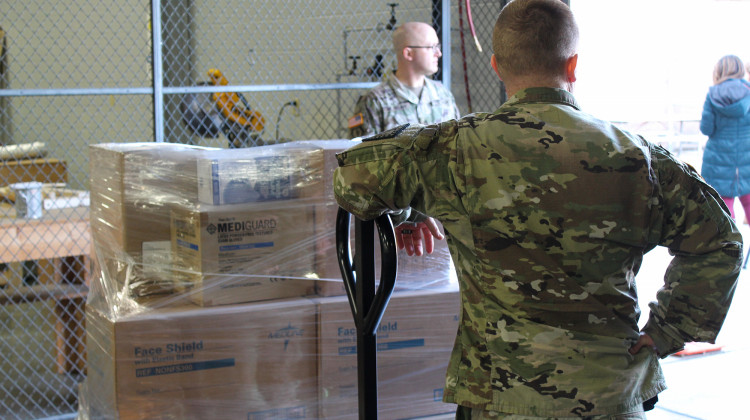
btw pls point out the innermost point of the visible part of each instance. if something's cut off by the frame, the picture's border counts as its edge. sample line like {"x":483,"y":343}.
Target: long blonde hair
{"x":728,"y":67}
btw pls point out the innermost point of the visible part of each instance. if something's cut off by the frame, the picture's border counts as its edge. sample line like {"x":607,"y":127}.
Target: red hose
{"x":471,"y":24}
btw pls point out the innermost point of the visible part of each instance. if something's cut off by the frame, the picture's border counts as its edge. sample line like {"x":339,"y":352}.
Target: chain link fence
{"x":74,"y":74}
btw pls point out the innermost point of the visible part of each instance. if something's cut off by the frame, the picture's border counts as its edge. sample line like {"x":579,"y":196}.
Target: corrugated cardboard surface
{"x":231,"y":362}
{"x":245,"y":252}
{"x":415,"y":339}
{"x":133,"y":186}
{"x":162,"y":357}
{"x":255,"y":174}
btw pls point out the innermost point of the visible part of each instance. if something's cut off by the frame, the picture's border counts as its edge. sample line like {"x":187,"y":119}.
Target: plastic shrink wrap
{"x":217,"y":292}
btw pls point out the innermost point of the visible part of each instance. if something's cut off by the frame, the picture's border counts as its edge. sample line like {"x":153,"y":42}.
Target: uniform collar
{"x":404,"y":92}
{"x":543,"y":95}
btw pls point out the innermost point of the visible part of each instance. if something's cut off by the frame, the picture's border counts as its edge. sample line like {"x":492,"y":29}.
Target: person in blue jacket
{"x":726,"y":122}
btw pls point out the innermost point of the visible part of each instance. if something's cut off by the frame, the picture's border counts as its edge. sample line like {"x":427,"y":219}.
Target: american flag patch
{"x":356,"y":120}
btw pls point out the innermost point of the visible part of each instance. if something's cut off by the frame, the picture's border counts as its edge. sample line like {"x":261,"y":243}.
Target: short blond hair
{"x":728,"y":67}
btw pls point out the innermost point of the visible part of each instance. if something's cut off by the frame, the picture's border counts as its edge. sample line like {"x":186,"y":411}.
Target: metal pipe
{"x":77,"y":92}
{"x":446,"y":29}
{"x":378,"y":28}
{"x":272,"y":88}
{"x":156,"y":62}
{"x":187,"y":89}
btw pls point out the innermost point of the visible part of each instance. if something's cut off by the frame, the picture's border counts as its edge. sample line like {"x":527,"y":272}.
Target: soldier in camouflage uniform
{"x":406,"y":96}
{"x":548,"y":212}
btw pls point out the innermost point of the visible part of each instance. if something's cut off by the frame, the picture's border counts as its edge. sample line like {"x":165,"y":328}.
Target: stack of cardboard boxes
{"x":218,"y":292}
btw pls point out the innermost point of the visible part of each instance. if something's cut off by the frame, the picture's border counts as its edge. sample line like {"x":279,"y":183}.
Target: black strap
{"x":649,"y":404}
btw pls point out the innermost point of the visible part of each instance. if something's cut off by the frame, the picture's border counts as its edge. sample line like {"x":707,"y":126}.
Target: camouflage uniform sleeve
{"x":366,"y":111}
{"x":383,"y":173}
{"x":694,"y":224}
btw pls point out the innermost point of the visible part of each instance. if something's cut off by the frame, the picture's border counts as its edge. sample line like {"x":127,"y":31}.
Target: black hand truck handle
{"x":367,"y":305}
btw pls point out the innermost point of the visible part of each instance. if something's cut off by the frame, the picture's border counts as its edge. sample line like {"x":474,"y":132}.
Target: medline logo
{"x":248,"y":225}
{"x":211,"y":228}
{"x":287,"y":333}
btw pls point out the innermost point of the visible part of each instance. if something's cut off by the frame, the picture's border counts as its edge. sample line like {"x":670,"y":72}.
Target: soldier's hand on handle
{"x":418,"y":238}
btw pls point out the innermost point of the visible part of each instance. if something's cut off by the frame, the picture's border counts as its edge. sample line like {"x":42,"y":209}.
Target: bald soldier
{"x":408,"y":95}
{"x":548,"y":212}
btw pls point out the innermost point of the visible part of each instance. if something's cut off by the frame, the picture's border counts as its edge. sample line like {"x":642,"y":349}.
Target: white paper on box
{"x":157,"y":258}
{"x":264,"y":173}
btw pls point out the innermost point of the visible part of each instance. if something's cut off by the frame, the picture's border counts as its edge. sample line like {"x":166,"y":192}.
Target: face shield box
{"x":265,"y":173}
{"x":253,"y":361}
{"x":244,"y":252}
{"x":414,"y":344}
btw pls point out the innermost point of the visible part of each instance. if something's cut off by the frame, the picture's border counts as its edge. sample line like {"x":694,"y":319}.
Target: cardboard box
{"x":230,"y":362}
{"x":326,"y":155}
{"x":244,"y":252}
{"x":274,"y":172}
{"x":326,"y":262}
{"x":415,"y":339}
{"x":133,"y":186}
{"x":48,"y":170}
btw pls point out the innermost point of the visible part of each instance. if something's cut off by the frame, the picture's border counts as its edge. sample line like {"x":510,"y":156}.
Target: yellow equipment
{"x":228,"y":112}
{"x":233,"y":106}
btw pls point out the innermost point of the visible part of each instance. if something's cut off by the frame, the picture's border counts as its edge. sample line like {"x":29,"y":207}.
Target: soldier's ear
{"x":407,"y":53}
{"x":493,"y":63}
{"x":570,"y":68}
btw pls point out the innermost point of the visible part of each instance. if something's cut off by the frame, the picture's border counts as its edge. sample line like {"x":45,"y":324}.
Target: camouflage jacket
{"x":548,"y":213}
{"x":389,"y":104}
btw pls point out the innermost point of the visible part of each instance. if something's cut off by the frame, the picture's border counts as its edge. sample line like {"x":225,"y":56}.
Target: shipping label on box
{"x":246,"y":252}
{"x":234,"y":361}
{"x":414,"y":343}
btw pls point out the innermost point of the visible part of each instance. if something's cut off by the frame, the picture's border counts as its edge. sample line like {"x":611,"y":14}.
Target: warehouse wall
{"x":70,"y":45}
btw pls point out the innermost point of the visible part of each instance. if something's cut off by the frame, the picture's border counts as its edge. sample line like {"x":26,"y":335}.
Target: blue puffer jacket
{"x":726,"y":122}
